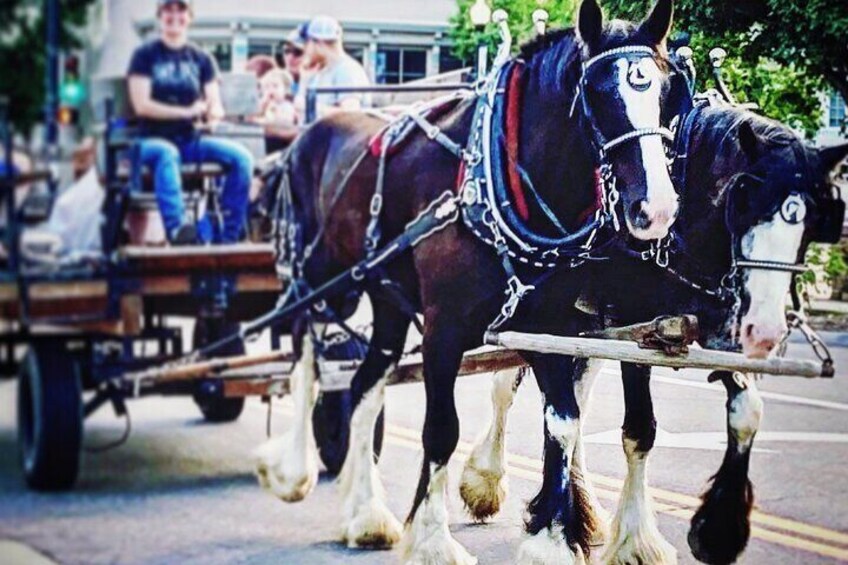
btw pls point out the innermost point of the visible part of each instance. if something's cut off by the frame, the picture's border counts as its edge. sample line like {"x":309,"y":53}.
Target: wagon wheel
{"x":50,"y":417}
{"x":214,"y":406}
{"x":331,"y":424}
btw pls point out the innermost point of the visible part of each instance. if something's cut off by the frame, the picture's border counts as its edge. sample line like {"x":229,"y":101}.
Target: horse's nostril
{"x":749,"y":331}
{"x":638,"y":216}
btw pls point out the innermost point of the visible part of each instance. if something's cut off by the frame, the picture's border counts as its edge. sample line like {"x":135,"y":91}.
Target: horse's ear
{"x":830,"y":157}
{"x":657,"y":25}
{"x":590,"y":23}
{"x":749,"y":141}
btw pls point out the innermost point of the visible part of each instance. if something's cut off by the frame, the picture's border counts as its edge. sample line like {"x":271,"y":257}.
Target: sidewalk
{"x":15,"y":553}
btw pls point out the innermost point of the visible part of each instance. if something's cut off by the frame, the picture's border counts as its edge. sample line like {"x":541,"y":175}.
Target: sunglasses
{"x":293,"y":51}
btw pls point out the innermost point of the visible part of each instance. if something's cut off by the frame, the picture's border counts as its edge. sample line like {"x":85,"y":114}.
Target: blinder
{"x":828,"y":224}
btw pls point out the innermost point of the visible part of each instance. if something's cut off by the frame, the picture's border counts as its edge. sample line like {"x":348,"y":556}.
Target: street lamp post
{"x":480,"y":14}
{"x":540,"y":20}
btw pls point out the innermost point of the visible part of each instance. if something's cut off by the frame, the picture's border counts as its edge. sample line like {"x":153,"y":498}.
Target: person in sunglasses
{"x":173,"y":85}
{"x":280,"y":134}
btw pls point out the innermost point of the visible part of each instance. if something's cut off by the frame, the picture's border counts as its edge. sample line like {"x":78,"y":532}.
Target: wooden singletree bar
{"x":626,"y":351}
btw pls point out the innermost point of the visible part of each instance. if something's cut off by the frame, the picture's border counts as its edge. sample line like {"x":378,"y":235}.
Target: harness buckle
{"x":376,"y":204}
{"x":516,"y":291}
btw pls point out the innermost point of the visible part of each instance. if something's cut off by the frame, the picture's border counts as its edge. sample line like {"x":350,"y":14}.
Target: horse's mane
{"x":722,"y":132}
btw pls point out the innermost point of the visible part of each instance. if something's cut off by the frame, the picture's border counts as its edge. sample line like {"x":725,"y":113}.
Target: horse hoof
{"x":482,"y":490}
{"x":373,"y":527}
{"x":640,"y":547}
{"x":437,"y":549}
{"x":283,"y":472}
{"x":549,"y":548}
{"x":716,"y":542}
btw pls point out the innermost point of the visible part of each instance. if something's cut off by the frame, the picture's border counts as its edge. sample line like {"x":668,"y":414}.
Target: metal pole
{"x":482,"y":59}
{"x":51,"y":86}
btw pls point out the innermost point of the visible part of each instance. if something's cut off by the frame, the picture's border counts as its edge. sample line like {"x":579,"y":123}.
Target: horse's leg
{"x":427,"y":538}
{"x":635,"y":536}
{"x":560,"y":521}
{"x":484,"y":484}
{"x":583,"y":386}
{"x":287,"y":466}
{"x":721,"y":527}
{"x":366,"y":520}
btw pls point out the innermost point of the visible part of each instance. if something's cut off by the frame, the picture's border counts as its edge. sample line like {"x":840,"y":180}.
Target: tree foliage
{"x":782,"y":52}
{"x":23,"y":53}
{"x":466,"y":38}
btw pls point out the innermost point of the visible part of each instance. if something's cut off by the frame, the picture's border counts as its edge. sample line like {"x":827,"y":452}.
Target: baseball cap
{"x":297,"y":36}
{"x":324,"y":28}
{"x":162,"y":3}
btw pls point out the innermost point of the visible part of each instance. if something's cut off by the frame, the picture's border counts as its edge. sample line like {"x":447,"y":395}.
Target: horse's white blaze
{"x":642,"y":106}
{"x":484,"y":485}
{"x":366,"y":520}
{"x":745,"y":413}
{"x":427,"y":540}
{"x":548,"y":547}
{"x":635,"y":535}
{"x":287,"y":466}
{"x":765,"y":321}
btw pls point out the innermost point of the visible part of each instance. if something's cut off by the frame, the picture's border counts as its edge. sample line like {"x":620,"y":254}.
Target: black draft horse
{"x":751,"y":191}
{"x":457,"y":281}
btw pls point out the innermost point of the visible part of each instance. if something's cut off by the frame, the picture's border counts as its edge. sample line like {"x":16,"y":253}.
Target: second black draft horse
{"x":753,"y":197}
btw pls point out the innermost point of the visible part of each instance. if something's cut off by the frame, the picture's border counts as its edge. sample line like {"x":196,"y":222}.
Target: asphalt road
{"x":181,"y":491}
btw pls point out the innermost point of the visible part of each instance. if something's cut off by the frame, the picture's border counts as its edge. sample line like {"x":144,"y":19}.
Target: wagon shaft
{"x":671,"y":334}
{"x":616,"y":350}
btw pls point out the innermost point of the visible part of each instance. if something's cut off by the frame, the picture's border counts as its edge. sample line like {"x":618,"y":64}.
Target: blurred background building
{"x":396,"y":40}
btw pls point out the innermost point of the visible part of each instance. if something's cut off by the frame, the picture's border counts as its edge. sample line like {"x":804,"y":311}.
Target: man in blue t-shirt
{"x":174,"y":84}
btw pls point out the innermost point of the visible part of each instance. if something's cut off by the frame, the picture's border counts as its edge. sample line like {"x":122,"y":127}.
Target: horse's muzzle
{"x":648,"y":220}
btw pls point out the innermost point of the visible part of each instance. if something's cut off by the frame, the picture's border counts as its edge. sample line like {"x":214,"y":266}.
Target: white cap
{"x":324,"y":28}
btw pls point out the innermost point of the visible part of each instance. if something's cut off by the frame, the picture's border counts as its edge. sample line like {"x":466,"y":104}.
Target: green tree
{"x":805,"y":38}
{"x":23,"y":53}
{"x":466,"y":37}
{"x":782,"y":52}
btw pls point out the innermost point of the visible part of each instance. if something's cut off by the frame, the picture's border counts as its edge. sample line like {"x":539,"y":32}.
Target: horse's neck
{"x":702,"y":225}
{"x":555,"y":151}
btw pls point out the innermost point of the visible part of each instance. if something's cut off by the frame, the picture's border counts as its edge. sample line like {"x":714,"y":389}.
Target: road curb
{"x":16,"y":553}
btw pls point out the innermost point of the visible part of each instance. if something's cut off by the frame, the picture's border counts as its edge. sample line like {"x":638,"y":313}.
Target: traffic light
{"x":68,"y":116}
{"x":72,"y":91}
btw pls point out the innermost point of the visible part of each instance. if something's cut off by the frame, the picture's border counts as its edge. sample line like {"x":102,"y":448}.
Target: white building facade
{"x":396,"y":40}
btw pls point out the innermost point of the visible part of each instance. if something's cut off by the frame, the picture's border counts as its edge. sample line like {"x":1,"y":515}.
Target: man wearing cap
{"x":172,"y":85}
{"x":326,"y":64}
{"x":291,"y":51}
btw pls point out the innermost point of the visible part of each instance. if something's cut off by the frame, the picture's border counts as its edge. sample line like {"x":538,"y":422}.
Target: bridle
{"x":602,"y":145}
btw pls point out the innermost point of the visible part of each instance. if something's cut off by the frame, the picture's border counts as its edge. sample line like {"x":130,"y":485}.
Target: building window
{"x":222,"y":53}
{"x":837,"y":110}
{"x":448,"y":62}
{"x":257,"y":48}
{"x":395,"y":65}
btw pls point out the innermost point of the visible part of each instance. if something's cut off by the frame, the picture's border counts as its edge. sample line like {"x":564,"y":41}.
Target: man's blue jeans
{"x":163,"y":157}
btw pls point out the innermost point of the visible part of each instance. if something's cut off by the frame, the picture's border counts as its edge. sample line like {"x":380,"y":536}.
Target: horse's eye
{"x":637,"y":76}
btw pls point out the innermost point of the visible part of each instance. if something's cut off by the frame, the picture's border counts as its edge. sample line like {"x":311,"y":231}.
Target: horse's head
{"x":624,"y":88}
{"x":783,"y":201}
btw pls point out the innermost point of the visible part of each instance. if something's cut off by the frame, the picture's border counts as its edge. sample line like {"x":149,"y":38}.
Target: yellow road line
{"x":667,"y":502}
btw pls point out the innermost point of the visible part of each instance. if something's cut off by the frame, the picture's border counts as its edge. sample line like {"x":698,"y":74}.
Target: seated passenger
{"x":172,"y":85}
